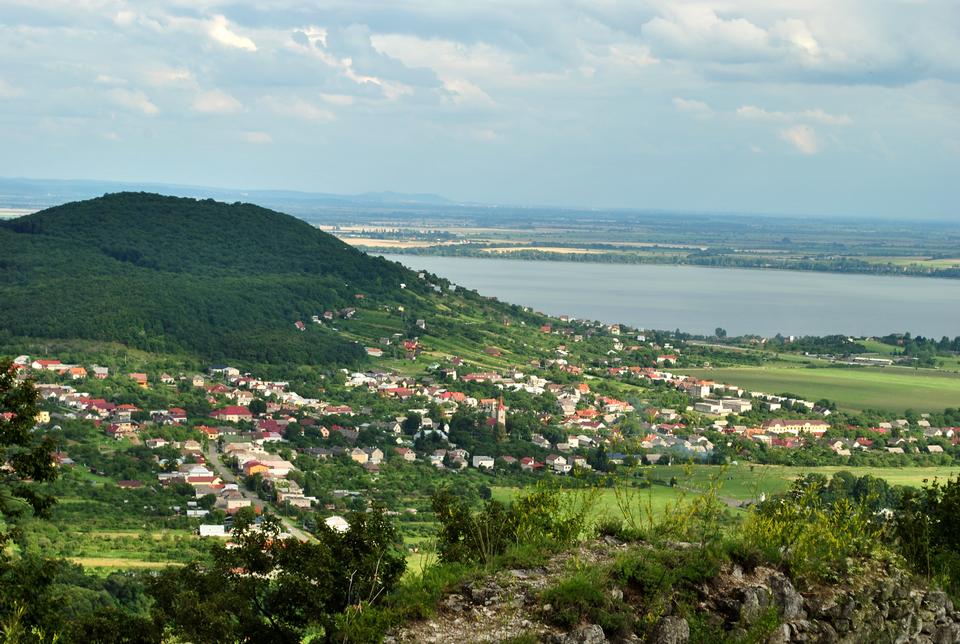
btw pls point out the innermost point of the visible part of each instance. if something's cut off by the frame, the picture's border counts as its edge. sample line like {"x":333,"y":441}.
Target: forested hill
{"x":183,"y":275}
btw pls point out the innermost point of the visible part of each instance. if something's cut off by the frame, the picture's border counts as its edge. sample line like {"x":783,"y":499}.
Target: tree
{"x":276,"y":590}
{"x":720,"y":332}
{"x":27,"y":451}
{"x":257,"y":407}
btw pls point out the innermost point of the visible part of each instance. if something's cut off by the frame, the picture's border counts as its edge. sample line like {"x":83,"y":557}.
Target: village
{"x":258,"y":430}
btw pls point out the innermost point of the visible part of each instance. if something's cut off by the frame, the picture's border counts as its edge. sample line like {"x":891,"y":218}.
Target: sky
{"x":827,"y":107}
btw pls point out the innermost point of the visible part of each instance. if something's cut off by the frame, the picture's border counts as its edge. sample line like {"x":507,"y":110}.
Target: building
{"x":784,"y":426}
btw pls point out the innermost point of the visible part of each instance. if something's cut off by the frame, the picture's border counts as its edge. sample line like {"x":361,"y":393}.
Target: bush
{"x":928,"y":532}
{"x":548,"y":517}
{"x":813,"y":540}
{"x":584,"y":597}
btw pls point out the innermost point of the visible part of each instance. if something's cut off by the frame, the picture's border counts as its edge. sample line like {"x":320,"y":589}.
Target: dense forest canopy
{"x":175,"y":274}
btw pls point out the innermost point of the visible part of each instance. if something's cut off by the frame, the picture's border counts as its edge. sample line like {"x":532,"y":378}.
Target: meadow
{"x":737,"y":484}
{"x":856,"y":389}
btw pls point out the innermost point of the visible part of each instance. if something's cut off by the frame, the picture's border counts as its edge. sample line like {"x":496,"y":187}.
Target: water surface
{"x":698,"y":300}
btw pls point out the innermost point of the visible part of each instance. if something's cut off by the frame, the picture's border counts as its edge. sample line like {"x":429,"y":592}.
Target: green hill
{"x":211,"y":279}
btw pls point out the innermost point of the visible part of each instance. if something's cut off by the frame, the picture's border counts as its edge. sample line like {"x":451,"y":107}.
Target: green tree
{"x":27,"y":451}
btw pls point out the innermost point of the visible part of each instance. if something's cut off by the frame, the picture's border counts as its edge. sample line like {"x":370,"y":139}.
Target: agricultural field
{"x":737,"y":484}
{"x":852,"y":389}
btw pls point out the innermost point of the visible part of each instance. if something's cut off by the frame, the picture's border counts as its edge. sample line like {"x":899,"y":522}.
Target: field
{"x":890,"y":389}
{"x":737,"y":483}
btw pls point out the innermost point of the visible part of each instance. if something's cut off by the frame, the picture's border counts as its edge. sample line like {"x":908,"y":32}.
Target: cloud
{"x":340,"y":100}
{"x":693,"y":107}
{"x":220,"y":31}
{"x":133,"y":100}
{"x":817,"y":115}
{"x":163,"y":76}
{"x":696,"y":31}
{"x":259,"y":138}
{"x":463,"y":92}
{"x":216,"y":102}
{"x":802,"y":137}
{"x":297,"y":108}
{"x":9,"y":91}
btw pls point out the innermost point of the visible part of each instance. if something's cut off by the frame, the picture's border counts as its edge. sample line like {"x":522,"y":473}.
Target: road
{"x":225,"y":473}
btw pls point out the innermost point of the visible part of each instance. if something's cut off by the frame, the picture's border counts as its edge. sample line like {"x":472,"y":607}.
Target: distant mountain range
{"x":43,"y":193}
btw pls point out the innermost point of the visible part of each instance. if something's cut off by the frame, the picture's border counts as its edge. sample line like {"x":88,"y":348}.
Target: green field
{"x":737,"y":483}
{"x":854,"y":389}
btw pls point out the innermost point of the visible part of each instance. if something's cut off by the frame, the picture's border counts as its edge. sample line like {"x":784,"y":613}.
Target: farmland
{"x":890,"y":389}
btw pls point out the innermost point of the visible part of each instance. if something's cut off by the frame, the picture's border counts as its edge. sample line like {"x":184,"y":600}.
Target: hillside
{"x":201,"y":277}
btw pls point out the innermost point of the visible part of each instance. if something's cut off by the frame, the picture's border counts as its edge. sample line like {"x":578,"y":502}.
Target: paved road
{"x":213,"y":457}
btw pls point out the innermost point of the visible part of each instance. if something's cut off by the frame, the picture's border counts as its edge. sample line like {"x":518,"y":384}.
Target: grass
{"x":739,"y":483}
{"x":746,"y":481}
{"x":854,"y":389}
{"x":117,"y":563}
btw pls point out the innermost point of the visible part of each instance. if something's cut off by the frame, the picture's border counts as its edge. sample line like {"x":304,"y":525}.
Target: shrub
{"x":547,"y":517}
{"x":928,"y":532}
{"x":585,"y":597}
{"x":815,"y":541}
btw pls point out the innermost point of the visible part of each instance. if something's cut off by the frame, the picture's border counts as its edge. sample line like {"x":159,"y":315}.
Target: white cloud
{"x":817,"y":115}
{"x":256,"y":137}
{"x":162,"y":76}
{"x":696,"y":31}
{"x":9,"y":91}
{"x":297,"y":108}
{"x":463,"y":92}
{"x":107,"y":79}
{"x":133,"y":100}
{"x":340,"y":100}
{"x":124,"y":18}
{"x":220,"y":31}
{"x":802,"y":137}
{"x":694,"y":107}
{"x":216,"y":102}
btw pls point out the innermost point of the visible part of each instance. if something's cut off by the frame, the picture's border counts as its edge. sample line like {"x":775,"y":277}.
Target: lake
{"x":698,"y":300}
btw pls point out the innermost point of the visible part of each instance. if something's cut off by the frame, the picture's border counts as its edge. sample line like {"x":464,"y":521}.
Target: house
{"x":130,"y":485}
{"x":374,"y":455}
{"x":359,"y":455}
{"x":252,"y":468}
{"x":100,"y":373}
{"x":483,"y":462}
{"x":375,"y":352}
{"x":45,"y":365}
{"x":77,"y":373}
{"x":406,"y":454}
{"x":140,"y":379}
{"x":232,"y":414}
{"x":337,"y":524}
{"x":213,"y":530}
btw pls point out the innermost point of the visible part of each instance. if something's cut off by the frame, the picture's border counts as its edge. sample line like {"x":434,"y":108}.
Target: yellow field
{"x":545,"y":249}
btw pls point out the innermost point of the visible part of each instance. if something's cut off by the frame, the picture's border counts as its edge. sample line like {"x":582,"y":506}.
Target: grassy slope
{"x":854,"y":389}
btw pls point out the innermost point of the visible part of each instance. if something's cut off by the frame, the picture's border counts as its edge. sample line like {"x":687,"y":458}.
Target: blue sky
{"x":822,"y":106}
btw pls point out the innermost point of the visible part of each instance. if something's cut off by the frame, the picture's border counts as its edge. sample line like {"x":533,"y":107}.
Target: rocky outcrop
{"x":879,"y":604}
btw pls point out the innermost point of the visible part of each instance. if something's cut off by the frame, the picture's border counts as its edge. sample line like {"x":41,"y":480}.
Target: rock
{"x":938,"y":602}
{"x":671,"y":630}
{"x":590,"y":634}
{"x":947,"y":634}
{"x":788,"y":600}
{"x":780,"y":636}
{"x":750,"y":610}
